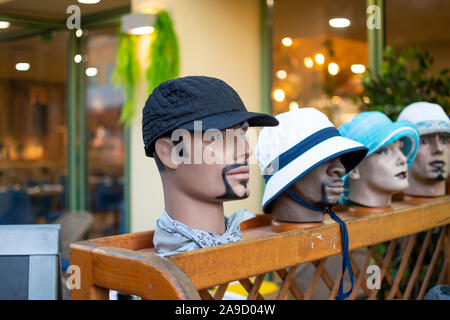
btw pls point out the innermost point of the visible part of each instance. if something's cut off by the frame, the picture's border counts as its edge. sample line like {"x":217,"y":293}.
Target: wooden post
{"x":82,"y":257}
{"x":447,"y":255}
{"x":145,"y":275}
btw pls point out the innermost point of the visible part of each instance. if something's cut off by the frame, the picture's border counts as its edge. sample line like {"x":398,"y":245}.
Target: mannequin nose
{"x":248,"y":150}
{"x":242,"y":150}
{"x":401,"y":158}
{"x":336,"y":168}
{"x":437,"y":147}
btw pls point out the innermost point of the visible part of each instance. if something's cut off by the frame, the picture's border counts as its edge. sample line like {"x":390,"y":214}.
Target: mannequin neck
{"x":424,"y":188}
{"x":286,"y":209}
{"x":416,"y":200}
{"x":194,"y":212}
{"x":360,"y":193}
{"x":360,"y":211}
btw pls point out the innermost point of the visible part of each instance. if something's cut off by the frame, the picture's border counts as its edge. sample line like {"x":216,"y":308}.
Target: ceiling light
{"x":358,"y":68}
{"x":339,"y":22}
{"x":4,"y":24}
{"x":141,"y":30}
{"x":88,"y":1}
{"x":281,"y":74}
{"x":278,"y":95}
{"x":138,"y":23}
{"x":320,"y":58}
{"x":333,"y":69}
{"x":22,"y":66}
{"x":287,"y":42}
{"x":309,"y":63}
{"x":293,"y":106}
{"x":77,"y":58}
{"x":91,"y":72}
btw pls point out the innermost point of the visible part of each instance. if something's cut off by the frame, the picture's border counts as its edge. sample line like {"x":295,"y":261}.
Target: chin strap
{"x":346,"y":264}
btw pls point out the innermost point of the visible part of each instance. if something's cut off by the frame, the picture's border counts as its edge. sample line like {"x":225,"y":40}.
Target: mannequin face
{"x":222,"y":176}
{"x":384,"y":171}
{"x":323,"y":185}
{"x":431,"y":162}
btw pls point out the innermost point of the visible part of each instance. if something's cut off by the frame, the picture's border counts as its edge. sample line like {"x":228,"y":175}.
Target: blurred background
{"x":35,"y":117}
{"x":321,"y":49}
{"x":62,"y":146}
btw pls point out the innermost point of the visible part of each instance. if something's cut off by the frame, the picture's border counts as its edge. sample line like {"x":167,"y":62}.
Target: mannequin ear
{"x":163,"y":148}
{"x":354,"y":174}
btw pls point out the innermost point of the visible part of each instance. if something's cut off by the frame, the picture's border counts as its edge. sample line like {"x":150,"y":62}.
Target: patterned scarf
{"x":172,"y":236}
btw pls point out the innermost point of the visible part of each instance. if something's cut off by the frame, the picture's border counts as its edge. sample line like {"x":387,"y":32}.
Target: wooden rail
{"x":415,"y":240}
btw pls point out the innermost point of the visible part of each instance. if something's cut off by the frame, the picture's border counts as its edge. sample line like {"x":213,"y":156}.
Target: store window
{"x":319,"y":52}
{"x":33,"y":128}
{"x":106,"y":152}
{"x":42,"y":145}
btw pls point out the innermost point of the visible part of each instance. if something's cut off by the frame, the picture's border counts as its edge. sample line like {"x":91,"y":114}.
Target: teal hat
{"x":375,"y":130}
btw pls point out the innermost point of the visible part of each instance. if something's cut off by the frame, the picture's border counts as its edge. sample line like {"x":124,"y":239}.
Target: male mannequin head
{"x":304,"y":158}
{"x":321,"y":187}
{"x":303,"y":161}
{"x":195,"y":129}
{"x":430,"y":167}
{"x":223,"y":178}
{"x":392,"y":147}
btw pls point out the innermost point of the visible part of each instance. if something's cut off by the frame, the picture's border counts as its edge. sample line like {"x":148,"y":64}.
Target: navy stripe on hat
{"x":293,"y":153}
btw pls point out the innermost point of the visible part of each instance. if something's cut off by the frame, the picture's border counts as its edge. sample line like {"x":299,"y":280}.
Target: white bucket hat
{"x":303,"y":140}
{"x":428,"y":117}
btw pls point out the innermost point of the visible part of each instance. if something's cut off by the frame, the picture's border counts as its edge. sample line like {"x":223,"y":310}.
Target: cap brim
{"x":350,"y":151}
{"x":225,"y":120}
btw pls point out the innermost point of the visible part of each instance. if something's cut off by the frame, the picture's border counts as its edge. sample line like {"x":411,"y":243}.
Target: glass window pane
{"x":33,"y":128}
{"x":319,"y":50}
{"x":106,"y":152}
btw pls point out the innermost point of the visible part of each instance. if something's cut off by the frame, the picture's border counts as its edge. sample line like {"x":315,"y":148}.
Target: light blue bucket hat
{"x":375,"y":130}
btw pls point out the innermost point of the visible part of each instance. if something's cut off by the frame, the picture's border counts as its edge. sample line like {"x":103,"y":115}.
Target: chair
{"x":15,"y":207}
{"x":30,"y":262}
{"x":74,"y":226}
{"x":109,"y":195}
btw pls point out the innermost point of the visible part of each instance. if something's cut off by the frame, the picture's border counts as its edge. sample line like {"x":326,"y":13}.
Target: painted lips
{"x":336,"y":186}
{"x":240,"y":173}
{"x":402,"y":175}
{"x":438,"y":164}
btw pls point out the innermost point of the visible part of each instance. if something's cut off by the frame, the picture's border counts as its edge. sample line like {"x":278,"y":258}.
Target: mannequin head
{"x":430,"y":167}
{"x":321,"y":187}
{"x":304,"y":158}
{"x":195,"y":129}
{"x":392,"y":148}
{"x":373,"y":182}
{"x":223,"y":177}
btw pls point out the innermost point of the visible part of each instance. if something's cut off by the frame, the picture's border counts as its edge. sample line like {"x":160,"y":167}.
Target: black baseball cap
{"x":179,"y":102}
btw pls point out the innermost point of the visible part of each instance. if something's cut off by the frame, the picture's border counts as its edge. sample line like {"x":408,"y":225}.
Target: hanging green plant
{"x":126,"y":75}
{"x":163,"y":54}
{"x":163,"y":63}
